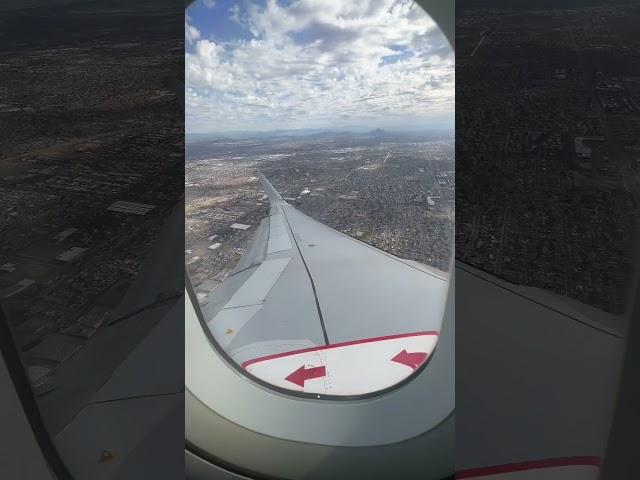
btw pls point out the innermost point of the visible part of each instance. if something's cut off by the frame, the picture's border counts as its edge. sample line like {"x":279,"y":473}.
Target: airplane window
{"x":319,"y":189}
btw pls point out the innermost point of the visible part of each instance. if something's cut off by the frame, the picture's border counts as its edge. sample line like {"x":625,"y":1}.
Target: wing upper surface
{"x":307,"y":297}
{"x":362,"y":291}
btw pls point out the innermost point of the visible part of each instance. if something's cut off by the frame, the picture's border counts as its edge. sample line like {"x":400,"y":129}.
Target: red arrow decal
{"x":413,"y":360}
{"x":300,"y":375}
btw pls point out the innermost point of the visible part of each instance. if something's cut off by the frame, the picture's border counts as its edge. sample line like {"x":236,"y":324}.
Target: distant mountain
{"x":260,"y":142}
{"x":245,"y":134}
{"x":203,"y":137}
{"x":376,"y":135}
{"x":329,"y":134}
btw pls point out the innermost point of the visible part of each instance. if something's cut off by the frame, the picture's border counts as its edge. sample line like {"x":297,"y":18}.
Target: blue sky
{"x":269,"y":64}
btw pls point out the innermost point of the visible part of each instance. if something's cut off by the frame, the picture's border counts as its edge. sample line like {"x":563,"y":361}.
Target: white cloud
{"x":318,"y":63}
{"x":191,"y":33}
{"x":234,"y":13}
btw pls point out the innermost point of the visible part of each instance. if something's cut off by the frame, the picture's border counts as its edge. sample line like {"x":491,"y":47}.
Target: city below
{"x":79,"y":215}
{"x":547,"y":150}
{"x":395,"y":191}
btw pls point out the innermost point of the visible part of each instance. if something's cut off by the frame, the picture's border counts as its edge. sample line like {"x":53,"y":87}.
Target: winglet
{"x":272,"y":193}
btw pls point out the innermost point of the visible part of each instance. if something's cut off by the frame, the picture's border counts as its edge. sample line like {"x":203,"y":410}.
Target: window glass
{"x":347,"y":110}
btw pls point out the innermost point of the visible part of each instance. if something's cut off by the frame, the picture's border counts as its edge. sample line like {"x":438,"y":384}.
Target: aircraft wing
{"x":118,"y":409}
{"x":310,"y":309}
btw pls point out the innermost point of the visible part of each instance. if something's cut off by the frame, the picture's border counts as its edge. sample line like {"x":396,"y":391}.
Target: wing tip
{"x":272,"y":194}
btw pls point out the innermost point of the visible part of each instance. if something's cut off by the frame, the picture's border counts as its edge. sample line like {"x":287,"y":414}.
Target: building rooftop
{"x":240,"y":226}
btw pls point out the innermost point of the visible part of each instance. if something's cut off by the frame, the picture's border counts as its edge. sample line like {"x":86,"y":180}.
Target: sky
{"x":291,"y":64}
